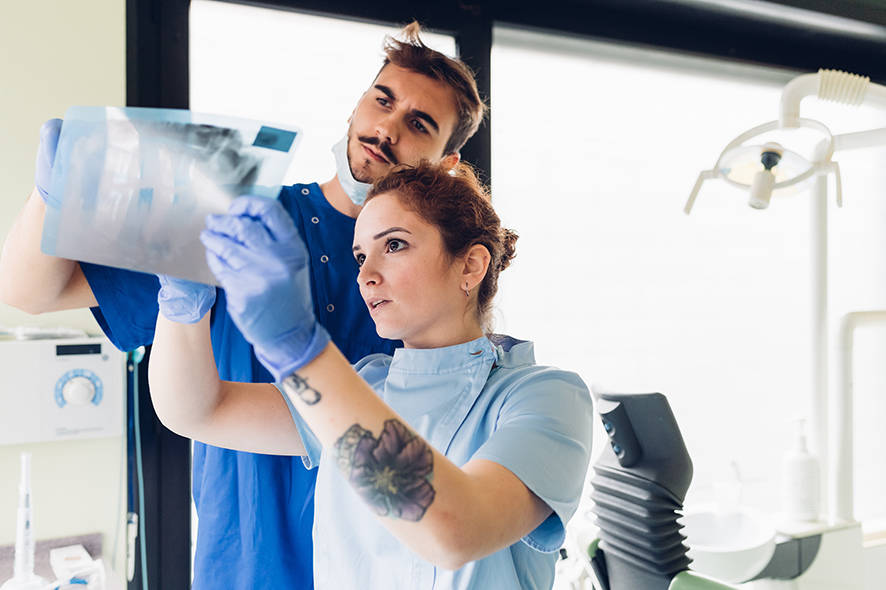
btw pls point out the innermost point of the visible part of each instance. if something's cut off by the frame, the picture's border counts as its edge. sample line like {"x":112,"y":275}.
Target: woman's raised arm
{"x":192,"y":401}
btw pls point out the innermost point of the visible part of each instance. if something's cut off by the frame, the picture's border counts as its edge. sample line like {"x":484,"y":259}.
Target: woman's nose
{"x":367,"y":275}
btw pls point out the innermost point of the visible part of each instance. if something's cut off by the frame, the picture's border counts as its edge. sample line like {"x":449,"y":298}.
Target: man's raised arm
{"x":29,"y":279}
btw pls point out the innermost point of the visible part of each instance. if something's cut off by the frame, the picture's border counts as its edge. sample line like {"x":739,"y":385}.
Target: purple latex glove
{"x":183,"y":301}
{"x":49,"y":134}
{"x":261,"y":262}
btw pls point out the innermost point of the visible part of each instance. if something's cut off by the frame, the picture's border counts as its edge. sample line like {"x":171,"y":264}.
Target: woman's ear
{"x":476,"y":264}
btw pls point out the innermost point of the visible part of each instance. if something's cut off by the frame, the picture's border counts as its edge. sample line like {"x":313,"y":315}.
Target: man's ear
{"x":476,"y":264}
{"x":450,"y":161}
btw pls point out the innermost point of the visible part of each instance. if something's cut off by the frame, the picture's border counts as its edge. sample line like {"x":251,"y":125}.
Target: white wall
{"x":53,"y":54}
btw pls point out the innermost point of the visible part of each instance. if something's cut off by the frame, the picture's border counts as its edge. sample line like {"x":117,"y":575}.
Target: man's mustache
{"x":383,"y":147}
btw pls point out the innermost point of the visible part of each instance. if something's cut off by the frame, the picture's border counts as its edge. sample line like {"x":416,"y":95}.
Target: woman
{"x":453,"y":464}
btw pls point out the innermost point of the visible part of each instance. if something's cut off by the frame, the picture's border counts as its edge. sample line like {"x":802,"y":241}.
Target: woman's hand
{"x":260,"y":260}
{"x":182,"y":301}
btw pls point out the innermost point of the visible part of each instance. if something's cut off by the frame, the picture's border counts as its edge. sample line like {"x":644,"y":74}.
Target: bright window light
{"x":595,"y":149}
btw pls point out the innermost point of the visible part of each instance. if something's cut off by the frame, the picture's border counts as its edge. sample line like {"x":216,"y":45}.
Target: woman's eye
{"x":360,"y":258}
{"x":395,"y":245}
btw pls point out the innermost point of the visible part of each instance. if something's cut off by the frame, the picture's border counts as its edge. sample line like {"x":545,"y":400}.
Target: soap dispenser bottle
{"x":800,"y":480}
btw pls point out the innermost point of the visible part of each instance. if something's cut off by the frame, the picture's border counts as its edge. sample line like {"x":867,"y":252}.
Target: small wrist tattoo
{"x":298,"y":386}
{"x":392,"y":473}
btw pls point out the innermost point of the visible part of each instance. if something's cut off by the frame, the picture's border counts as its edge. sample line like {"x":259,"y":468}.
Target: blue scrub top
{"x":255,"y":511}
{"x":477,"y":400}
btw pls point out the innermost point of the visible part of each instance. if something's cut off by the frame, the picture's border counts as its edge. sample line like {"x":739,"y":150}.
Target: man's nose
{"x":387,"y":129}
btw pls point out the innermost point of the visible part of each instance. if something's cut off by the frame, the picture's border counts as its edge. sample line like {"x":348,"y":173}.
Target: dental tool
{"x":23,"y":577}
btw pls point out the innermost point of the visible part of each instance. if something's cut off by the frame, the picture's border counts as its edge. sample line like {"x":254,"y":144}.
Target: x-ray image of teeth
{"x":136,"y":185}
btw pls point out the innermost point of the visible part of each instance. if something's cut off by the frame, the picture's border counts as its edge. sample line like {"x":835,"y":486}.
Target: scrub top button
{"x":305,"y":191}
{"x":324,"y":258}
{"x":315,"y":220}
{"x":330,"y":308}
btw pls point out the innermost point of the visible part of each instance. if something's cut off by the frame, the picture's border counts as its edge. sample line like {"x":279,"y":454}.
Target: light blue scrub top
{"x":476,"y":400}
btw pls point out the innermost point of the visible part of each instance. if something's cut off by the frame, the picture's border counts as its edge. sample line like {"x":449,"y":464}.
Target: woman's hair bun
{"x":509,"y":246}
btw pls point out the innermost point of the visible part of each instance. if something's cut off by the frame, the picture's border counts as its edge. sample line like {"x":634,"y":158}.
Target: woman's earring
{"x":467,"y":291}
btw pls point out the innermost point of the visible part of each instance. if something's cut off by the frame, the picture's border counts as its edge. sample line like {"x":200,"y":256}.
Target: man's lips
{"x":375,"y":156}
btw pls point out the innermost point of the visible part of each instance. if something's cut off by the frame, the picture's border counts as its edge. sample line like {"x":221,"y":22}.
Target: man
{"x":255,"y":511}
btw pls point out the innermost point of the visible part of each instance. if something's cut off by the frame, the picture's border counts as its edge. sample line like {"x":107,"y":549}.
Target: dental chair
{"x":639,"y":484}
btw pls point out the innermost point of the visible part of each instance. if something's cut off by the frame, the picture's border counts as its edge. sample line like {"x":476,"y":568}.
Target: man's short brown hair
{"x":411,"y":53}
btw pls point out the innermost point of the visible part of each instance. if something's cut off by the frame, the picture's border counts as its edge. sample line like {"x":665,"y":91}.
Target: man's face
{"x":405,"y":117}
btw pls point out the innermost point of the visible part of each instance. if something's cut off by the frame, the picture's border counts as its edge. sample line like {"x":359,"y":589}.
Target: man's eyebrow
{"x":386,"y":90}
{"x":420,"y":114}
{"x":427,"y":118}
{"x":357,"y":247}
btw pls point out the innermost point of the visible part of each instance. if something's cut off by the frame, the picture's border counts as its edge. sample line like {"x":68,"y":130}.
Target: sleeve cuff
{"x":313,"y":448}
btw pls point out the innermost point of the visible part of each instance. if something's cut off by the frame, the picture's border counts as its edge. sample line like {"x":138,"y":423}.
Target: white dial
{"x":78,"y":391}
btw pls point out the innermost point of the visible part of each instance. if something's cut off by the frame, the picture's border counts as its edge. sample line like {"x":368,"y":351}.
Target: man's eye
{"x":382,"y":101}
{"x":419,"y":126}
{"x":360,"y":258}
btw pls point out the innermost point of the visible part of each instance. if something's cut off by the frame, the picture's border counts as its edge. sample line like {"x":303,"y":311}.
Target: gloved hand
{"x":258,"y":257}
{"x":182,"y":301}
{"x":49,"y":133}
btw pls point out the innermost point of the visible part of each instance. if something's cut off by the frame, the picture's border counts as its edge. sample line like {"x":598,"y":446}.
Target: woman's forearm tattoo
{"x":391,"y":473}
{"x":298,"y":386}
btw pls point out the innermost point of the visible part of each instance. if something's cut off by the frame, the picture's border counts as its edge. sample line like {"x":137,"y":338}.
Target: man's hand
{"x":49,"y":134}
{"x":258,"y":257}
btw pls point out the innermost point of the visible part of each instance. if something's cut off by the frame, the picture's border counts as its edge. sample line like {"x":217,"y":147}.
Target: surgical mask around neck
{"x":355,"y":189}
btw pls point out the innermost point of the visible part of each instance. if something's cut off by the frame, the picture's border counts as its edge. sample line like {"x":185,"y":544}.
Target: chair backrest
{"x":639,"y":484}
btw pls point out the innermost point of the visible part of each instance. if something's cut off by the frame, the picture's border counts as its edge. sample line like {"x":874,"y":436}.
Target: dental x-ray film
{"x":131,"y":187}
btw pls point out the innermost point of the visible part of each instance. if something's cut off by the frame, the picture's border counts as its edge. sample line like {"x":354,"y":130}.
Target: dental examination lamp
{"x":754,"y":162}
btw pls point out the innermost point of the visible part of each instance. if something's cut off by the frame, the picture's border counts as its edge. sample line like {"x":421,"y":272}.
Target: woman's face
{"x":410,"y":284}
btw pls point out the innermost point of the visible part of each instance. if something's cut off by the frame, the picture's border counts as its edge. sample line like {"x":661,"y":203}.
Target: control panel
{"x":61,"y":389}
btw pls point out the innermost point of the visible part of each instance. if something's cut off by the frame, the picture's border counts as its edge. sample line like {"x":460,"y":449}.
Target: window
{"x":595,"y":148}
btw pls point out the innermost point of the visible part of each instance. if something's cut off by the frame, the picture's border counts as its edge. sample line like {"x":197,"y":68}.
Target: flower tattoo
{"x":392,"y":473}
{"x":298,"y":386}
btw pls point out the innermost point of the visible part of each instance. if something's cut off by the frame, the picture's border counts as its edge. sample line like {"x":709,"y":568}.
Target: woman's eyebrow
{"x":390,"y":230}
{"x":383,"y":234}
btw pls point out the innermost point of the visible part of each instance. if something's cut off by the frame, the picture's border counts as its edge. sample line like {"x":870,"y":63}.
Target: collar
{"x":448,"y":359}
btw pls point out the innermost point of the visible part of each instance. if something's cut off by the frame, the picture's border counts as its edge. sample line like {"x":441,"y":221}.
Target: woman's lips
{"x":376,"y":305}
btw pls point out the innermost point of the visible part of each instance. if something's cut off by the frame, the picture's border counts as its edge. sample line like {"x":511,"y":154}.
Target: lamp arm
{"x":832,"y":85}
{"x":703,"y":175}
{"x":860,"y":139}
